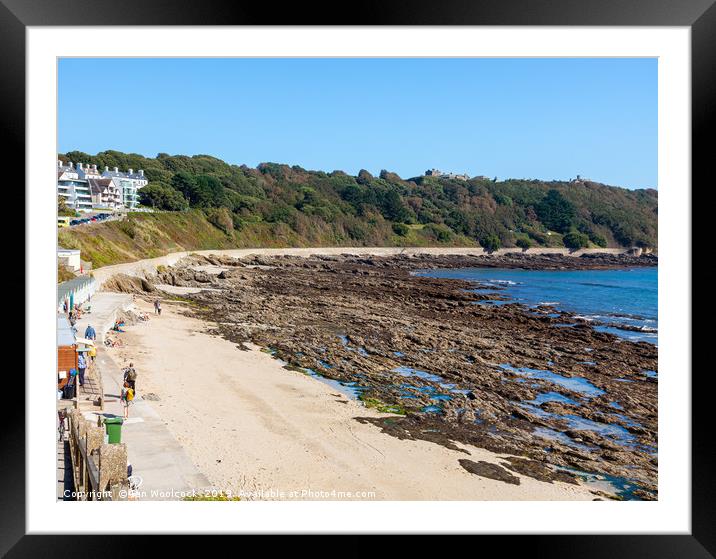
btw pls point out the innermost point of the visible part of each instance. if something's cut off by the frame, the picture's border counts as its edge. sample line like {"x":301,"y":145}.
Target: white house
{"x":128,"y":183}
{"x":105,"y":193}
{"x":69,"y":257}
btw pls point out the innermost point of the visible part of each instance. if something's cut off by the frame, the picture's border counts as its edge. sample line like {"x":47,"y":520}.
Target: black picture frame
{"x":699,"y":15}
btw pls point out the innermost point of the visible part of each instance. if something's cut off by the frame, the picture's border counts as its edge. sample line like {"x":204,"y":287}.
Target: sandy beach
{"x":265,"y":432}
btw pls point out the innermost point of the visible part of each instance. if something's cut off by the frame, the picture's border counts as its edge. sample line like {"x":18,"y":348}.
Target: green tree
{"x":63,"y":209}
{"x":202,"y":191}
{"x":364,"y":177}
{"x":556,"y":212}
{"x":524,"y":243}
{"x":185,"y":183}
{"x":209,"y":192}
{"x":575,"y":240}
{"x":598,"y":240}
{"x":491,"y":243}
{"x":400,"y":229}
{"x":163,"y":197}
{"x":441,"y":233}
{"x":392,"y":206}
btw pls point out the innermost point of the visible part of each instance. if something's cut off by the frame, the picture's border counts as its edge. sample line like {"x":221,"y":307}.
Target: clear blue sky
{"x":519,"y":118}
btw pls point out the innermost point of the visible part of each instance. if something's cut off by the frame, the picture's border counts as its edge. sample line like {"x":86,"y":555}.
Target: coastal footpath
{"x":141,"y":268}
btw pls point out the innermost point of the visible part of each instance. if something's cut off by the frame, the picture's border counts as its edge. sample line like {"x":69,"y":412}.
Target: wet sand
{"x":252,"y":426}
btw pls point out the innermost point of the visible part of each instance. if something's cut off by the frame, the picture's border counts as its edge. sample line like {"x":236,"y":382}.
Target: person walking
{"x":92,"y":353}
{"x":157,"y":307}
{"x":126,"y":398}
{"x":81,"y":366}
{"x":130,"y":376}
{"x":90,"y":334}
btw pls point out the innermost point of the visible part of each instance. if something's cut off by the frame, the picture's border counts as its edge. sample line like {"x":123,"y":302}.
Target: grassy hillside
{"x":279,"y":205}
{"x":143,"y":236}
{"x":148,"y":235}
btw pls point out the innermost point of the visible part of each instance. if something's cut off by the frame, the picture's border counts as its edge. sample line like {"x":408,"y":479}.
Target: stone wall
{"x":97,"y":467}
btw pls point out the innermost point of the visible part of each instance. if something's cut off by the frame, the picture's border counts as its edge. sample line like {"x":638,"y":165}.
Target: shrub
{"x":575,"y":240}
{"x":221,"y":219}
{"x":524,"y":243}
{"x":490,"y":243}
{"x":502,"y":199}
{"x":598,"y":240}
{"x":539,"y":238}
{"x":441,"y":233}
{"x":127,"y":226}
{"x":400,"y":229}
{"x":356,"y":230}
{"x":63,"y":209}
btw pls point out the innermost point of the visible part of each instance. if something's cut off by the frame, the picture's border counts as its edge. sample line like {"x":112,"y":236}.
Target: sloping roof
{"x":97,"y":186}
{"x":67,"y":170}
{"x":65,"y":334}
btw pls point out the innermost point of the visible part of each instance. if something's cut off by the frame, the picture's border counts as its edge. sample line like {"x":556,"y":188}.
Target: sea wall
{"x":149,"y":266}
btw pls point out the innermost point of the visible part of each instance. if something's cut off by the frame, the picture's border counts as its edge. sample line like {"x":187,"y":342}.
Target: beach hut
{"x":66,"y":350}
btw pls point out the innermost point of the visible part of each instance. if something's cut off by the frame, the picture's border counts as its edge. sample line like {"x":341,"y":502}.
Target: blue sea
{"x":621,"y":297}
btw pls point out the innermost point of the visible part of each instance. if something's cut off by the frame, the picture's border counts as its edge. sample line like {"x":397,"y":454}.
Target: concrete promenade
{"x":104,"y":310}
{"x":155,"y":455}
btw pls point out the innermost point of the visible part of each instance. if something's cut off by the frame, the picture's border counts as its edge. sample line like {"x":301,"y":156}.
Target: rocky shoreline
{"x":505,"y":378}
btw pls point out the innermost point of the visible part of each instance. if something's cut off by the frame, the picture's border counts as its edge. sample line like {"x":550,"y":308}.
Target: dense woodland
{"x":336,"y":208}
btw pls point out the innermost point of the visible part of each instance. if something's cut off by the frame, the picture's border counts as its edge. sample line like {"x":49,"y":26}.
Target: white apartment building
{"x":74,"y":189}
{"x":128,"y":183}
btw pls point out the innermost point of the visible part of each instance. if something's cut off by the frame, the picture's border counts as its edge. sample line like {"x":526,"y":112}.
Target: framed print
{"x":398,"y":274}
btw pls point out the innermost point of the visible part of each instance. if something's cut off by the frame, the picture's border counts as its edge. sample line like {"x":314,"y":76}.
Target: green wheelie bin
{"x":113,"y":426}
